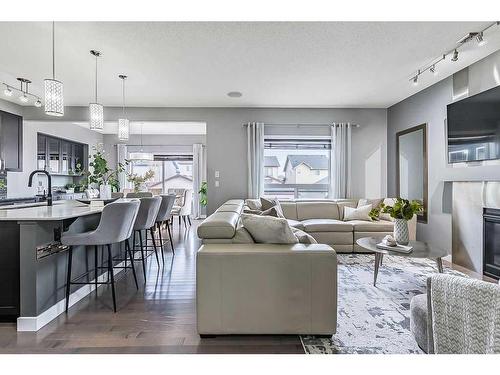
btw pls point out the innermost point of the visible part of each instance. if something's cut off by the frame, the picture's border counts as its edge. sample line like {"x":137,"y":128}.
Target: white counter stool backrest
{"x":141,"y":194}
{"x":164,"y":216}
{"x":115,"y":225}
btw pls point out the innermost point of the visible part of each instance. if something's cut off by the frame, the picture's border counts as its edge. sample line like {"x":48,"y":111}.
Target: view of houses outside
{"x":168,"y":174}
{"x":292,"y":174}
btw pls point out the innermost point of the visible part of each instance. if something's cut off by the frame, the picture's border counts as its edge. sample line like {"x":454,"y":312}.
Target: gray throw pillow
{"x":273,"y":211}
{"x":268,"y":229}
{"x":303,"y":237}
{"x":268,"y":203}
{"x":254,"y":204}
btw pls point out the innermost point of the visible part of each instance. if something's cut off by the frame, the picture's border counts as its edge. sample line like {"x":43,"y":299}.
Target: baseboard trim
{"x":34,"y":323}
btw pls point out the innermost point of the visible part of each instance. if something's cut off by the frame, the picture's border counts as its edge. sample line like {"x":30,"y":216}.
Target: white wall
{"x":429,"y":106}
{"x":17,"y":182}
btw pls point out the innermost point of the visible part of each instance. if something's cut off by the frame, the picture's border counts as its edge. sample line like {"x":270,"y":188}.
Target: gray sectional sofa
{"x":322,"y":219}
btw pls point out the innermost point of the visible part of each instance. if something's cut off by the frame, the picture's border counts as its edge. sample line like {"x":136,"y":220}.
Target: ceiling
{"x":274,"y":64}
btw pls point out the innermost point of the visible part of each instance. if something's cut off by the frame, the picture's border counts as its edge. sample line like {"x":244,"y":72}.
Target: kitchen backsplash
{"x":3,"y":185}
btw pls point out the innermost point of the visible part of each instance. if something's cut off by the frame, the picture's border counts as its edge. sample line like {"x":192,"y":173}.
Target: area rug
{"x":375,"y":319}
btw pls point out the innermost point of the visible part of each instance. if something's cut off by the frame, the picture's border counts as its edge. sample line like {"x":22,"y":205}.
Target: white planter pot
{"x":401,"y":234}
{"x":105,"y":191}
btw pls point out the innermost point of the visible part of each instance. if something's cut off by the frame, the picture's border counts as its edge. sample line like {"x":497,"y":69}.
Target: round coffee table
{"x":420,"y":250}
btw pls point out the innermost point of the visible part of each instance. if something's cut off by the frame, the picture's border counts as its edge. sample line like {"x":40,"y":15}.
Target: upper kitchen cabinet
{"x":11,"y":141}
{"x":61,"y":156}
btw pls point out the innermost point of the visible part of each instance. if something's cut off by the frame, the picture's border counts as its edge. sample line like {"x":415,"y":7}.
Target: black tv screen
{"x":474,"y":128}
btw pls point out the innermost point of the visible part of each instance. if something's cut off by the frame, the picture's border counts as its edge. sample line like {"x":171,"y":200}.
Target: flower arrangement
{"x":138,"y":181}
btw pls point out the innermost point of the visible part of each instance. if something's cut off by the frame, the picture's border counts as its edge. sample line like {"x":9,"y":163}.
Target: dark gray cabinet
{"x":61,"y":156}
{"x":11,"y":141}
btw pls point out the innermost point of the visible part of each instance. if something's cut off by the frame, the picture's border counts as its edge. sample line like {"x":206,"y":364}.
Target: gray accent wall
{"x":429,"y":106}
{"x":226,"y":140}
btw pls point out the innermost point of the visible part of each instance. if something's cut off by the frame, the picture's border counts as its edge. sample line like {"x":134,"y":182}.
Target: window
{"x":170,"y":172}
{"x":296,"y":167}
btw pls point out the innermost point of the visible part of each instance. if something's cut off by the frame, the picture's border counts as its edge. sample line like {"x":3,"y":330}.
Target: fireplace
{"x":491,"y":242}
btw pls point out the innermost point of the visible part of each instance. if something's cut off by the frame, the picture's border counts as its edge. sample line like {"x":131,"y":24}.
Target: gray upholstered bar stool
{"x":145,"y":221}
{"x":115,"y":226}
{"x":164,"y":217}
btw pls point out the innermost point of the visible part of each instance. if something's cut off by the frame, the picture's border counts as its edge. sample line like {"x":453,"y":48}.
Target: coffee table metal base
{"x":378,"y":263}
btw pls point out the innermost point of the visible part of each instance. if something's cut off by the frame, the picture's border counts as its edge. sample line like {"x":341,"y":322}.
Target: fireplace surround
{"x":491,"y":242}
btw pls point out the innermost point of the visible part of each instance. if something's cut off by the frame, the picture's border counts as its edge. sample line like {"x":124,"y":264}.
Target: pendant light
{"x":96,"y":110}
{"x":54,"y":98}
{"x":123,"y":123}
{"x":141,"y":155}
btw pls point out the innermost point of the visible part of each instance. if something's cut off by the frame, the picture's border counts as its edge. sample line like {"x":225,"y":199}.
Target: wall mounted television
{"x":474,"y":128}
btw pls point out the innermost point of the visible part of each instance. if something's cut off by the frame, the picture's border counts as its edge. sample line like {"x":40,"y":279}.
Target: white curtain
{"x":340,"y":160}
{"x":121,"y":155}
{"x":199,"y":176}
{"x":255,"y":159}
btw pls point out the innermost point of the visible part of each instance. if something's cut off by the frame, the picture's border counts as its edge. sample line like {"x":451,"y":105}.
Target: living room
{"x":266,"y":183}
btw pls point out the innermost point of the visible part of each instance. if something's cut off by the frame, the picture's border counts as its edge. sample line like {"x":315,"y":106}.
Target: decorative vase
{"x":401,"y":234}
{"x":105,"y":191}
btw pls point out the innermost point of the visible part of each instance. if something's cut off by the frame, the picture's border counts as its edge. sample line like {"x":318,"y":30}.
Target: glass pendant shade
{"x":123,"y":129}
{"x":54,"y":99}
{"x":96,"y":116}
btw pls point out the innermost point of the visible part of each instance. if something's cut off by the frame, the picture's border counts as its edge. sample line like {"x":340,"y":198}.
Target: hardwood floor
{"x":158,"y":318}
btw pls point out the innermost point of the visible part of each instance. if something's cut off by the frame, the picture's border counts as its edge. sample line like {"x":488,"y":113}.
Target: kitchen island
{"x":33,"y":262}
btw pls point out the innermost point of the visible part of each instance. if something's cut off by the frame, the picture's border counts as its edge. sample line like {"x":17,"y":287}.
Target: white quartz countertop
{"x":59,"y":211}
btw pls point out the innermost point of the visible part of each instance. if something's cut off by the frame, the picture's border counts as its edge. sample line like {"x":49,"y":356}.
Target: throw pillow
{"x":268,"y":229}
{"x":273,"y":211}
{"x":254,"y":204}
{"x":253,"y":212}
{"x":374,"y":202}
{"x":360,"y":213}
{"x":303,"y":237}
{"x":267,"y":203}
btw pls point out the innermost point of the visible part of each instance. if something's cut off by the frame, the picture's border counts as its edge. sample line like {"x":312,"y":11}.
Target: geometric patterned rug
{"x":375,"y":319}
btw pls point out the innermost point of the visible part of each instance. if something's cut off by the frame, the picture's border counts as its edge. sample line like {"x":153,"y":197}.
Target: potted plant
{"x":401,"y":211}
{"x":103,"y":176}
{"x":203,"y":194}
{"x":70,"y":188}
{"x":139,"y":182}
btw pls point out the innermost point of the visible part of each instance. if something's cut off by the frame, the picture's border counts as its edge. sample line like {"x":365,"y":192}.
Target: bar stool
{"x":145,"y":220}
{"x":164,"y":216}
{"x":115,"y":226}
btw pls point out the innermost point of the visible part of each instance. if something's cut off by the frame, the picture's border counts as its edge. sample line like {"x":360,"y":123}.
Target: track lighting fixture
{"x":38,"y":103}
{"x":24,"y":94}
{"x":7,"y":91}
{"x":480,"y":39}
{"x":477,"y":36}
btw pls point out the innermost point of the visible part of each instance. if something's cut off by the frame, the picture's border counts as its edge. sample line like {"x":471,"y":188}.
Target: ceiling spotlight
{"x":415,"y":80}
{"x":234,"y":94}
{"x":455,"y":56}
{"x":7,"y":91}
{"x":38,"y":103}
{"x":480,"y":40}
{"x":433,"y":70}
{"x":23,"y":98}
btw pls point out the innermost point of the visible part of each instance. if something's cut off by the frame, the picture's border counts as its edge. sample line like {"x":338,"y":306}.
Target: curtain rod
{"x":299,"y":125}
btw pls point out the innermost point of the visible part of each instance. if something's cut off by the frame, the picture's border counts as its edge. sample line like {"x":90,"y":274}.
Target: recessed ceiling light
{"x":234,"y":94}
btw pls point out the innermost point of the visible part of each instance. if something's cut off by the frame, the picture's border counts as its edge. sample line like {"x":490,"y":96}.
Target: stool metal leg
{"x":96,"y":276}
{"x":142,"y":254}
{"x":154,"y":244}
{"x":189,"y":220}
{"x":68,"y":276}
{"x":127,"y":251}
{"x":110,"y":270}
{"x":161,"y":242}
{"x":170,"y":236}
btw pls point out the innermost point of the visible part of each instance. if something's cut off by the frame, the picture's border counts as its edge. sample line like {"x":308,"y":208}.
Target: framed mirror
{"x":411,"y":166}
